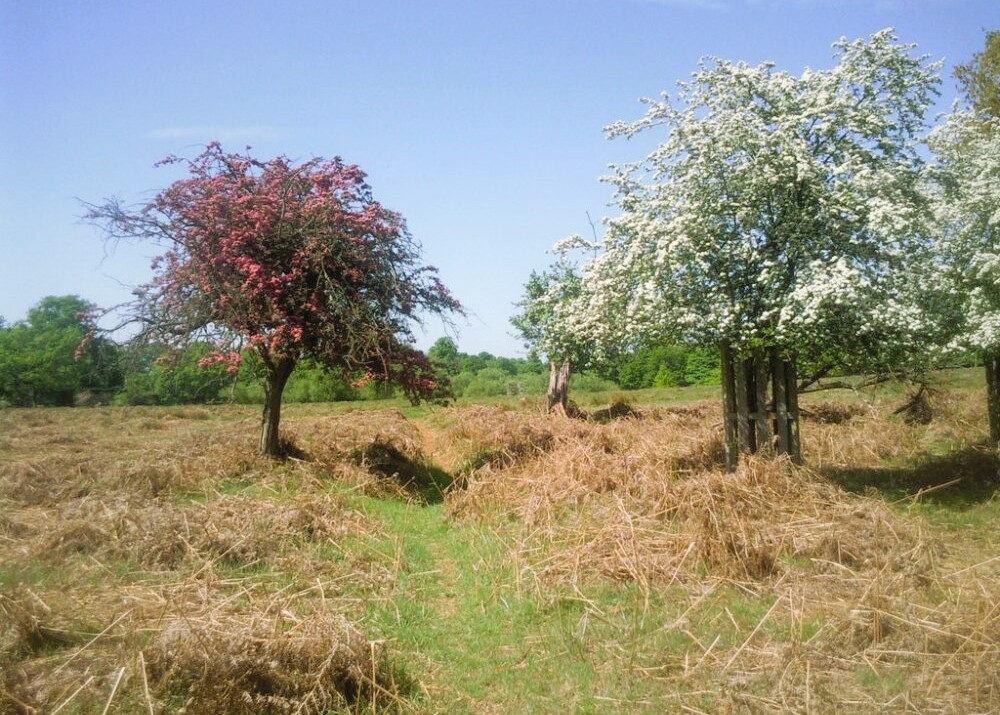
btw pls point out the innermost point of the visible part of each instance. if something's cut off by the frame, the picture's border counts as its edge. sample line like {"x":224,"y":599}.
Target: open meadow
{"x":487,"y":558}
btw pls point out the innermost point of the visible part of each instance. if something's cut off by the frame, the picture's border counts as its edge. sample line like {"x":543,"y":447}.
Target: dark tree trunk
{"x":760,"y":404}
{"x":992,"y":363}
{"x":786,"y":406}
{"x":558,"y":394}
{"x":729,"y":409}
{"x":742,"y":373}
{"x":278,"y":372}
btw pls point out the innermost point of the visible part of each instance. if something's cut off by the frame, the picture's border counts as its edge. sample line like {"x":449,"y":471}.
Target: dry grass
{"x":235,"y":530}
{"x":205,"y":645}
{"x":644,"y":500}
{"x":378,"y":454}
{"x":131,"y":583}
{"x":264,"y":662}
{"x":57,"y":462}
{"x":647,"y":500}
{"x":495,"y":437}
{"x":151,"y":564}
{"x":854,"y":435}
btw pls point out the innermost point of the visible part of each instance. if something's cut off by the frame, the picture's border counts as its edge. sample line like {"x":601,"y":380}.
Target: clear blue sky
{"x":480,"y":121}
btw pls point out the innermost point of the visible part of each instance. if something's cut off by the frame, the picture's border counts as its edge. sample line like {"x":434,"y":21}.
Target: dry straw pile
{"x":379,"y":453}
{"x":167,"y":594}
{"x":152,"y":565}
{"x":854,"y":588}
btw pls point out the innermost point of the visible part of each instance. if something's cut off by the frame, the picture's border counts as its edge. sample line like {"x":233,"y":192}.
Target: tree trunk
{"x":760,"y":404}
{"x":786,"y":399}
{"x":729,"y":408}
{"x":786,"y":406}
{"x":275,"y":380}
{"x":743,"y":384}
{"x":558,"y":394}
{"x":992,"y":363}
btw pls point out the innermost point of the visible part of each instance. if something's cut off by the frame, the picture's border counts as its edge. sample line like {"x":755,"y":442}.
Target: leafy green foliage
{"x":309,"y":383}
{"x":980,"y":78}
{"x":47,"y":358}
{"x":165,"y":376}
{"x":444,"y":355}
{"x":487,"y":375}
{"x":667,"y":366}
{"x":490,"y":381}
{"x":702,"y":367}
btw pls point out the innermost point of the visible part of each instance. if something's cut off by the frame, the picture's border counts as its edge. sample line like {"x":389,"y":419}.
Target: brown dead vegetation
{"x":645,"y":500}
{"x":164,"y":536}
{"x":379,"y":454}
{"x":204,"y":645}
{"x":264,"y":662}
{"x":648,"y":500}
{"x":174,"y":593}
{"x":173,"y":596}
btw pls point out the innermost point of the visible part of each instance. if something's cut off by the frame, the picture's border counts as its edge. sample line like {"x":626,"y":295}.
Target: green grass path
{"x":478,"y":639}
{"x":452,"y":615}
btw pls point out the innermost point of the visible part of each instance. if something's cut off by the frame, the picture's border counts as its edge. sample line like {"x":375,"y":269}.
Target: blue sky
{"x":481,"y":122}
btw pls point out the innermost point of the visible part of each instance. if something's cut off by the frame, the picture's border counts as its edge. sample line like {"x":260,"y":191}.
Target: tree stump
{"x":558,"y":394}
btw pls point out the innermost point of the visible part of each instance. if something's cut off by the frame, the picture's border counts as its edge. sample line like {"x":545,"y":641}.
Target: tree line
{"x":47,"y":359}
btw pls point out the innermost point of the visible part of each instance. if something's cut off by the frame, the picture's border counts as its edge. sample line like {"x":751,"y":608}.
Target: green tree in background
{"x":47,"y":359}
{"x":702,"y":366}
{"x":309,"y":382}
{"x":484,"y":375}
{"x":444,"y":354}
{"x":667,"y":366}
{"x":980,"y":78}
{"x":168,"y":376}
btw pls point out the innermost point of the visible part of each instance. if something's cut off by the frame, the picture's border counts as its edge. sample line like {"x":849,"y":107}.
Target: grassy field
{"x":486,"y":558}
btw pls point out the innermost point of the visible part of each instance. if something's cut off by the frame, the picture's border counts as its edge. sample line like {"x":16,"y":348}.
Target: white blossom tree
{"x":549,"y":301}
{"x":778,"y":220}
{"x":967,"y":201}
{"x":967,"y":146}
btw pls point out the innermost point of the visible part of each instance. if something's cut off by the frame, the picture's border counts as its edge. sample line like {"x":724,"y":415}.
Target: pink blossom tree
{"x":289,"y":261}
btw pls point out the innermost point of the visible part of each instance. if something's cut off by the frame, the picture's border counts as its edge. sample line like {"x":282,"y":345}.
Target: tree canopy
{"x":980,"y":77}
{"x":779,"y":209}
{"x":47,"y":359}
{"x":968,"y":214}
{"x":549,"y":298}
{"x":781,"y":219}
{"x":548,"y":303}
{"x":967,"y":202}
{"x":290,"y":261}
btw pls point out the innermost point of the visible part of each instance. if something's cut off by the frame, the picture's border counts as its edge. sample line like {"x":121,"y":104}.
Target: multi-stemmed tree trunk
{"x":558,"y":394}
{"x":278,"y":372}
{"x":760,"y":403}
{"x":992,"y":362}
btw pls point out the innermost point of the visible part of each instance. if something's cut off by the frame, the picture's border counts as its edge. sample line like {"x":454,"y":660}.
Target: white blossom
{"x":778,"y":209}
{"x":967,"y":209}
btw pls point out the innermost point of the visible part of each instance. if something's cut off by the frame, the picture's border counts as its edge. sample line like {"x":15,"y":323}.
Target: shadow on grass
{"x":618,"y":410}
{"x":960,"y":479}
{"x":424,"y":481}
